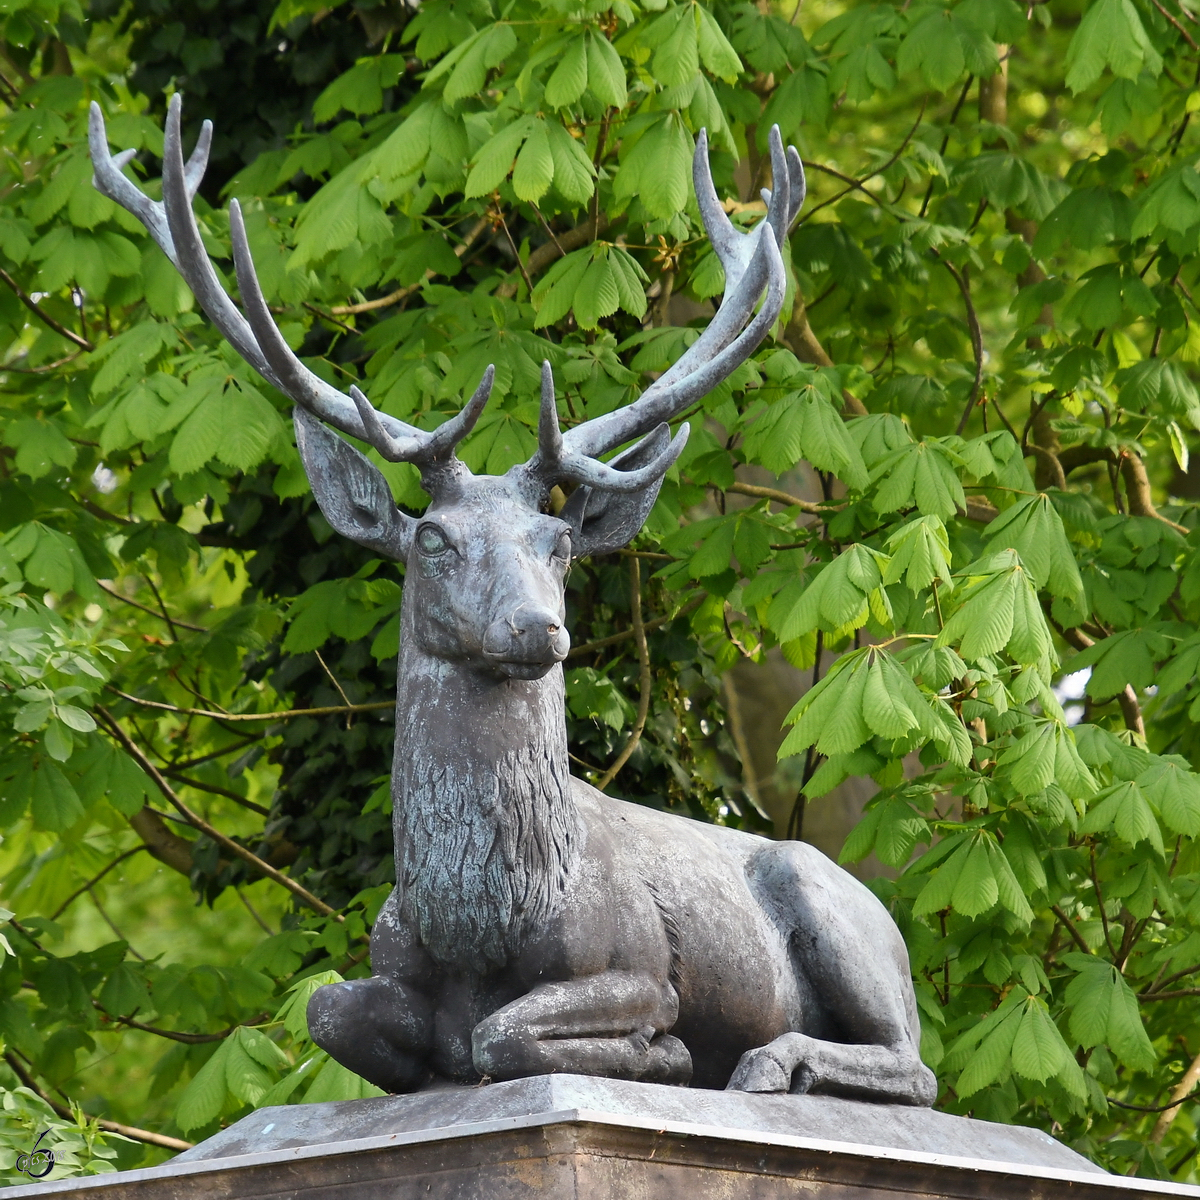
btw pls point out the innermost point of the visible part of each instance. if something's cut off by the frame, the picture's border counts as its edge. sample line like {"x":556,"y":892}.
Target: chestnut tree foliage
{"x":987,"y":360}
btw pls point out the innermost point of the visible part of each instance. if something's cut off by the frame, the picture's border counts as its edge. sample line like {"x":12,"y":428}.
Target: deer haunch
{"x":754,"y":964}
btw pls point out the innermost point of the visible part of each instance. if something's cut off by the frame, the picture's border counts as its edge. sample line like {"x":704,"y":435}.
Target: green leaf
{"x":933,"y":48}
{"x":494,"y":159}
{"x":55,"y":803}
{"x":570,"y":77}
{"x":606,"y":74}
{"x":1110,"y":35}
{"x":1038,"y":1050}
{"x":573,"y":171}
{"x":1033,"y":528}
{"x":717,"y":55}
{"x":677,"y":60}
{"x":598,"y":295}
{"x":534,"y":169}
{"x":1124,"y":809}
{"x":920,"y":554}
{"x":204,"y":1098}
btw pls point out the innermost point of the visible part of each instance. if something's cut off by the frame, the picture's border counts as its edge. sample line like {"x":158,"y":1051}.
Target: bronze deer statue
{"x":538,"y":925}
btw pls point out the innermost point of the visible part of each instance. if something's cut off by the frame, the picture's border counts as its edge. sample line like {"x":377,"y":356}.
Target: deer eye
{"x":562,"y":548}
{"x":431,"y":540}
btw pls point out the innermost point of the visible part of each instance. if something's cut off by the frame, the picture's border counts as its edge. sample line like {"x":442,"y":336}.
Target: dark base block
{"x":572,"y":1138}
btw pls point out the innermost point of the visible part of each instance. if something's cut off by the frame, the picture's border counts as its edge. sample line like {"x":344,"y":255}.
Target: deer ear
{"x":351,"y":492}
{"x":604,"y":521}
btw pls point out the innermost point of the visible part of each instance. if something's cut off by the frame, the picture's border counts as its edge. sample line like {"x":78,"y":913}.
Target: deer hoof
{"x":670,"y":1061}
{"x":759,"y":1071}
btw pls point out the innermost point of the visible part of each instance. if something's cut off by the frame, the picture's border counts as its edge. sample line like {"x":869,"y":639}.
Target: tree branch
{"x":43,"y":316}
{"x":542,"y":256}
{"x":171,"y":621}
{"x":644,"y":679}
{"x":612,"y":639}
{"x":963,"y":279}
{"x":95,"y":879}
{"x":263,"y":868}
{"x":286,"y":715}
{"x":773,"y":494}
{"x":1182,"y":1090}
{"x":346,"y":310}
{"x":129,"y":1131}
{"x":169,"y":848}
{"x":1069,"y":926}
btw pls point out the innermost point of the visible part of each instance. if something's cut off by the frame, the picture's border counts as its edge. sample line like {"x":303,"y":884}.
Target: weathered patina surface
{"x":538,"y":925}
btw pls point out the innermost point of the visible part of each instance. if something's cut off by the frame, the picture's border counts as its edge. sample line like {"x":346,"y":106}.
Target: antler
{"x":172,"y":224}
{"x":752,"y":261}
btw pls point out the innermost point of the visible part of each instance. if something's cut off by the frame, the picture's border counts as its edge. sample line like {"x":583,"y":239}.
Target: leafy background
{"x":952,"y":494}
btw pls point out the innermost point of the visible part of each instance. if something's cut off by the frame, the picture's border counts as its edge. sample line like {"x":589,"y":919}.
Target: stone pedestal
{"x":568,"y":1137}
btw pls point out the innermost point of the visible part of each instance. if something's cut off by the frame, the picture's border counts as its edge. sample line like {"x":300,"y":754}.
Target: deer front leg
{"x":613,"y":1024}
{"x":381,"y":1028}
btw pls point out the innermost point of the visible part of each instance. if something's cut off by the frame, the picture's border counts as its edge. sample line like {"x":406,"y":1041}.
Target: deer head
{"x":486,"y":563}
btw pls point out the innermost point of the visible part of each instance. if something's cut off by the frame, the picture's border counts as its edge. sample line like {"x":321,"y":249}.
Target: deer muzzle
{"x":527,"y":642}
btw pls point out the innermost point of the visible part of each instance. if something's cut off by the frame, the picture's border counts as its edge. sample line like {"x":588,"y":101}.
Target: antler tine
{"x":447,"y":435}
{"x":192,"y":259}
{"x":550,"y":442}
{"x":578,"y":468}
{"x":554,"y":463}
{"x":714,"y":359}
{"x":108,"y":181}
{"x":395,"y":440}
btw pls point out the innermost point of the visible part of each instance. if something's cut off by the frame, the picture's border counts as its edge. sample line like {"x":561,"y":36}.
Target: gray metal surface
{"x":827,"y":1118}
{"x":538,"y":926}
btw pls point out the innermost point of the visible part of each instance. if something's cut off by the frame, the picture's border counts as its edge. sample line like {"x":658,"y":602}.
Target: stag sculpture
{"x":538,"y":925}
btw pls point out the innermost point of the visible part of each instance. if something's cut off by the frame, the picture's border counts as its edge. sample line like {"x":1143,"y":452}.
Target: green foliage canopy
{"x":986,"y":371}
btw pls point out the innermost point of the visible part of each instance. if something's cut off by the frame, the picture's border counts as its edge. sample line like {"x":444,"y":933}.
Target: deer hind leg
{"x":381,"y":1028}
{"x":856,"y":964}
{"x":613,"y":1024}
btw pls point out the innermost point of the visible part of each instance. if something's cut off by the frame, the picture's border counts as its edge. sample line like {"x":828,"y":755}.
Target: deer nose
{"x":530,"y":634}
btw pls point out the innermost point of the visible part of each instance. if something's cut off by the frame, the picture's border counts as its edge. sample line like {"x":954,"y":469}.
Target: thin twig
{"x":320,"y":312}
{"x":963,"y":279}
{"x":45,"y":317}
{"x":174,"y":1035}
{"x":348,"y":310}
{"x":1178,"y":995}
{"x":254,"y":912}
{"x":286,"y":715}
{"x":546,"y":227}
{"x":1069,"y":926}
{"x":1183,"y":1089}
{"x":147,"y":609}
{"x":766,"y":493}
{"x":129,"y":1131}
{"x":513,"y":245}
{"x":212,"y":789}
{"x":91,"y":883}
{"x":166,"y":616}
{"x":962,"y":97}
{"x":612,"y":639}
{"x":1159,"y":984}
{"x":858,"y":183}
{"x":1187,"y":37}
{"x":197,"y":822}
{"x":113,"y":926}
{"x":644,"y":679}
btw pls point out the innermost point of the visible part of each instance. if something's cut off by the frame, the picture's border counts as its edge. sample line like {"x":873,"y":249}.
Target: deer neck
{"x":487,"y":836}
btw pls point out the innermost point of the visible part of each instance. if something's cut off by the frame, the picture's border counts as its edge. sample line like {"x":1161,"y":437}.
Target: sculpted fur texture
{"x":539,"y":925}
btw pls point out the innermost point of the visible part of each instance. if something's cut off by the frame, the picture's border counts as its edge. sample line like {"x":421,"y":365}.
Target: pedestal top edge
{"x":99,"y":1184}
